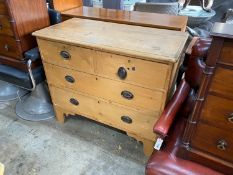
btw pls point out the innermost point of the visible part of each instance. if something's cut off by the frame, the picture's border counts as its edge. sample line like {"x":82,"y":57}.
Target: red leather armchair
{"x":172,"y":122}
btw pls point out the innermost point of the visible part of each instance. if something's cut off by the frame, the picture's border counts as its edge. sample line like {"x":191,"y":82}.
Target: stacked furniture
{"x":208,"y":134}
{"x":200,"y":137}
{"x":20,"y":62}
{"x":121,"y":82}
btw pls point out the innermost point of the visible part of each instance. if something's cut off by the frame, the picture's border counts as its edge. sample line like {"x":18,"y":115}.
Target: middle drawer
{"x":115,"y":91}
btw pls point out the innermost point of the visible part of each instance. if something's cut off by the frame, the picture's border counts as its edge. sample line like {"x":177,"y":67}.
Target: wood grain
{"x":3,"y":8}
{"x":147,"y":43}
{"x":220,"y":85}
{"x":152,"y":75}
{"x":105,"y":88}
{"x":9,"y":47}
{"x":61,"y":5}
{"x":218,"y":111}
{"x":107,"y":113}
{"x":207,"y":141}
{"x":5,"y":26}
{"x":24,"y":24}
{"x":154,"y":20}
{"x":227,"y":53}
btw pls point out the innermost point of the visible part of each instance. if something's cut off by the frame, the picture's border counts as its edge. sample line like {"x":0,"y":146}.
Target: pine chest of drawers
{"x":116,"y":74}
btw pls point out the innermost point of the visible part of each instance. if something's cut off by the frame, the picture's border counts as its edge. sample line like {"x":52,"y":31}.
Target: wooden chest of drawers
{"x":208,"y":137}
{"x":18,"y":19}
{"x":119,"y":75}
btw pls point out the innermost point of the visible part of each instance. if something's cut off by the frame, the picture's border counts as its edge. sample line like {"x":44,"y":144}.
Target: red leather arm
{"x":164,"y":123}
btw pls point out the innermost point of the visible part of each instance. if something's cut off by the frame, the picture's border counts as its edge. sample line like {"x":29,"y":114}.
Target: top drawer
{"x":222,"y":82}
{"x":227,"y":53}
{"x":5,"y":26}
{"x":139,"y":72}
{"x":3,"y":9}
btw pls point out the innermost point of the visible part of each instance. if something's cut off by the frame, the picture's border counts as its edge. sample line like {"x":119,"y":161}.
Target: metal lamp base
{"x":9,"y":92}
{"x":36,"y":106}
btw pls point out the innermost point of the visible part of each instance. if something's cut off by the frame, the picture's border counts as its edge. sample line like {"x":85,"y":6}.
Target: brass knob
{"x":65,"y":55}
{"x":222,"y":145}
{"x":230,"y":118}
{"x":122,"y":73}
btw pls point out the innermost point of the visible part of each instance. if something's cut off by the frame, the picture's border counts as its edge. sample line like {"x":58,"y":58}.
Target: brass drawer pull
{"x":222,"y":145}
{"x":127,"y":95}
{"x":69,"y":79}
{"x":74,"y":101}
{"x":6,"y":47}
{"x":126,"y":119}
{"x":122,"y":73}
{"x":65,"y":55}
{"x":230,"y":118}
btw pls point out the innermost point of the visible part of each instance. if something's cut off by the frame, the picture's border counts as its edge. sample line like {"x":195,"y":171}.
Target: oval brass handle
{"x":222,"y":145}
{"x":126,"y":119}
{"x":122,"y":73}
{"x":127,"y":95}
{"x":69,"y":79}
{"x":74,"y":101}
{"x":65,"y":55}
{"x":230,"y":118}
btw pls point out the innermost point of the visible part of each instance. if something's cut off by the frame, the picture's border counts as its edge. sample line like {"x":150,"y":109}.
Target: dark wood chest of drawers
{"x":18,"y":19}
{"x":208,"y":136}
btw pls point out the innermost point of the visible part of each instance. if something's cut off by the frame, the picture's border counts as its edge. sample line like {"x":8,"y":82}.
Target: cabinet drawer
{"x":9,"y":47}
{"x":5,"y":26}
{"x":148,"y":74}
{"x":223,"y":82}
{"x":218,"y":112}
{"x":3,"y":8}
{"x":143,"y":73}
{"x":105,"y":88}
{"x":67,"y":56}
{"x":227,"y":53}
{"x":140,"y":123}
{"x":213,"y":140}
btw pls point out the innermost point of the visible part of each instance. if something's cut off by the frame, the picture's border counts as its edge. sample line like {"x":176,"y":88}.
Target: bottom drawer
{"x":133,"y":121}
{"x":214,"y":141}
{"x":9,"y":47}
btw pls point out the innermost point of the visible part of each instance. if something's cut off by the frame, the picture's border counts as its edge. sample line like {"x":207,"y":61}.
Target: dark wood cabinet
{"x":208,"y":137}
{"x":18,"y":19}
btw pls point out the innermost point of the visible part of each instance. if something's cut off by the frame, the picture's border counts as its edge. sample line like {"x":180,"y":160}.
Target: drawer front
{"x":218,"y":112}
{"x":3,"y":8}
{"x":9,"y":47}
{"x":5,"y":26}
{"x":67,"y":56}
{"x":148,"y":74}
{"x":130,"y":70}
{"x":223,"y":82}
{"x":120,"y":117}
{"x":213,"y":140}
{"x":110,"y":90}
{"x":227,"y":53}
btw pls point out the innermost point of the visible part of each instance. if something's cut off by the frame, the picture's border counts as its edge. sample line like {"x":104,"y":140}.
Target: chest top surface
{"x":155,"y":20}
{"x":143,"y":42}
